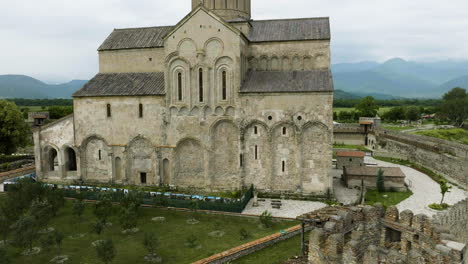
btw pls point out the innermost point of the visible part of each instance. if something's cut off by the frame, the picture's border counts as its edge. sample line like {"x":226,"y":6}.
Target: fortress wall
{"x":456,"y":220}
{"x":446,"y":158}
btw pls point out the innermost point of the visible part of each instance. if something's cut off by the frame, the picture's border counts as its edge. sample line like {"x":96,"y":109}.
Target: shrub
{"x":98,"y":227}
{"x":150,"y":242}
{"x":78,"y":208}
{"x":106,"y":251}
{"x":439,"y":207}
{"x":244,"y":234}
{"x":266,"y":219}
{"x":192,"y":241}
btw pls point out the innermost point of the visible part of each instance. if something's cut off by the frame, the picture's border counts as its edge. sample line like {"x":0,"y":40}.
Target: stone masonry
{"x":372,"y":235}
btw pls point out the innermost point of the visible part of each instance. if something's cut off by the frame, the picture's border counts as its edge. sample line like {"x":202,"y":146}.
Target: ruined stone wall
{"x":455,"y":220}
{"x":372,"y":235}
{"x":445,"y":159}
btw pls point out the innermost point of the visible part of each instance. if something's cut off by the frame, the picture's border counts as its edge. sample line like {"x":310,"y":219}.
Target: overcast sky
{"x":56,"y":40}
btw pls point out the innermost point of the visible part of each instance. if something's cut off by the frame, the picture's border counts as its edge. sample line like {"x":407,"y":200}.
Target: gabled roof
{"x":353,"y":154}
{"x":124,"y":84}
{"x":372,"y":171}
{"x":136,"y":38}
{"x":290,"y":29}
{"x":287,"y":81}
{"x":262,"y":31}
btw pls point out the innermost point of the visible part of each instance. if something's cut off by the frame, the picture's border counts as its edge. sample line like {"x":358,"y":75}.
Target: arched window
{"x":200,"y":85}
{"x":284,"y":130}
{"x":283,"y":166}
{"x":109,"y":113}
{"x":255,"y":130}
{"x":224,"y":85}
{"x":256,"y":152}
{"x":140,"y":110}
{"x":237,"y":3}
{"x":179,"y":86}
{"x":53,"y":159}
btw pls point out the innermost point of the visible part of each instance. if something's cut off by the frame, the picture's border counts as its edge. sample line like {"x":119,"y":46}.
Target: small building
{"x":394,"y":177}
{"x":38,"y":118}
{"x":349,"y":159}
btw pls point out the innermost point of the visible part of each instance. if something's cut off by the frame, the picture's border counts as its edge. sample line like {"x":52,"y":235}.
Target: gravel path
{"x":289,"y":208}
{"x":425,"y":190}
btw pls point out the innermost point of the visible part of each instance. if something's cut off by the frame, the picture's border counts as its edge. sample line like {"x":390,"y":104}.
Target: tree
{"x":25,"y":231}
{"x":444,"y":188}
{"x":106,"y":251}
{"x":13,"y":128}
{"x":150,"y":242}
{"x":192,"y":241}
{"x":455,"y":106}
{"x":412,"y":113}
{"x":395,"y":114}
{"x":98,"y":227}
{"x":47,"y":240}
{"x":128,"y":218}
{"x":4,"y":257}
{"x":57,"y":112}
{"x":335,"y":116}
{"x":5,"y":224}
{"x":266,"y":219}
{"x":367,"y":107}
{"x":78,"y":208}
{"x":103,"y":208}
{"x":58,"y":236}
{"x":380,"y":181}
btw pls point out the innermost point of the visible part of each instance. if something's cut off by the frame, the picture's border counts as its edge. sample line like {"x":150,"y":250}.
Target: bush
{"x":266,"y":219}
{"x":439,"y":207}
{"x":150,"y":242}
{"x":106,"y":251}
{"x":244,"y":234}
{"x":192,"y":241}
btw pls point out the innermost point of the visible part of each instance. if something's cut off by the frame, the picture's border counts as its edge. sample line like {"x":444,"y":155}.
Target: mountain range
{"x":393,"y":79}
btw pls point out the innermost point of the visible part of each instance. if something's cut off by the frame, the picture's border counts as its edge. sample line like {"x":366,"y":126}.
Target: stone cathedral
{"x":218,"y":101}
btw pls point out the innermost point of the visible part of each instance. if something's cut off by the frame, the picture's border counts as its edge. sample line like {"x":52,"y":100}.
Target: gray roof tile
{"x":136,"y":38}
{"x":262,"y":31}
{"x":124,"y":84}
{"x":290,"y":29}
{"x":289,"y":81}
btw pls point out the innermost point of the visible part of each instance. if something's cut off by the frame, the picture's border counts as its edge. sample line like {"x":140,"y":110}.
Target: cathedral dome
{"x":227,"y":9}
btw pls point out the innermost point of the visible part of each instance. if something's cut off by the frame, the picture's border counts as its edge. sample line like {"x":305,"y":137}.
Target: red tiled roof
{"x":355,"y":154}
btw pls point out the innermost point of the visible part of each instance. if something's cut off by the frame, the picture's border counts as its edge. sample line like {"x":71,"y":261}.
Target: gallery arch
{"x":70,"y":159}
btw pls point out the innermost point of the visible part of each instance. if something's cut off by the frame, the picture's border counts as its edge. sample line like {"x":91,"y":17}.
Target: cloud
{"x":56,"y":40}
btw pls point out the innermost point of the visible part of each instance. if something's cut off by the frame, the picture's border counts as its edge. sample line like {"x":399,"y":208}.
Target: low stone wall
{"x":16,"y":173}
{"x":251,"y":247}
{"x":448,"y":159}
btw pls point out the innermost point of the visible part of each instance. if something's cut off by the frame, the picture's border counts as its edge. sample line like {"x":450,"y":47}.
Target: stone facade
{"x":193,"y":105}
{"x":349,"y":158}
{"x":394,"y":177}
{"x":368,"y":234}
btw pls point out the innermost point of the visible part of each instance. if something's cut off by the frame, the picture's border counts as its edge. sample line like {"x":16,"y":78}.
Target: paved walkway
{"x":425,"y":190}
{"x":289,"y":208}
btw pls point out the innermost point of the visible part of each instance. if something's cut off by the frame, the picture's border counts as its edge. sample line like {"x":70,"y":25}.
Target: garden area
{"x":41,"y":227}
{"x":386,"y":198}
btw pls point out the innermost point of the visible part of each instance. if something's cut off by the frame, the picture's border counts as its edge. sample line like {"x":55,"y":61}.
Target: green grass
{"x":276,"y":254}
{"x":397,"y":128}
{"x":172,"y":236}
{"x":459,"y":135}
{"x":393,"y":198}
{"x":353,"y":147}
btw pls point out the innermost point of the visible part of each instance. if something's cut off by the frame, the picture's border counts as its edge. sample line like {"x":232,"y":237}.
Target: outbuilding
{"x":394,"y":177}
{"x":349,"y":158}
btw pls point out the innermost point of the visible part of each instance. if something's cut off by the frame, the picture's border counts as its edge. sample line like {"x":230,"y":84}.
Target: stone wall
{"x":455,"y":220}
{"x":446,"y":158}
{"x":368,"y":234}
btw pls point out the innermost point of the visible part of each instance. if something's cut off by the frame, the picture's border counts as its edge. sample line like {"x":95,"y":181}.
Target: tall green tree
{"x":367,"y":107}
{"x":25,"y":231}
{"x":380,"y":181}
{"x":455,"y":106}
{"x":57,"y":112}
{"x":413,"y":113}
{"x":13,"y":128}
{"x":395,"y":114}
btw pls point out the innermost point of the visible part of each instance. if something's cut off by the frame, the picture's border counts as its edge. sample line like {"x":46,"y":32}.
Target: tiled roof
{"x":262,"y":31}
{"x":355,"y":154}
{"x":290,"y":29}
{"x":124,"y":84}
{"x":136,"y":38}
{"x":372,"y":171}
{"x":288,"y":81}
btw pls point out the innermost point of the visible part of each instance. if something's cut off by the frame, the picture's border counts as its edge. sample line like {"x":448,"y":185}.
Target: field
{"x":382,"y":110}
{"x":172,"y":235}
{"x":459,"y":135}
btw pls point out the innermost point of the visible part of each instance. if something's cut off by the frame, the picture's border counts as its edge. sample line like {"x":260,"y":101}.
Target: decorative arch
{"x":297,"y":63}
{"x":253,"y":63}
{"x":51,"y":157}
{"x":214,"y":47}
{"x":141,"y":161}
{"x":225,"y":165}
{"x":70,"y":155}
{"x":253,"y":123}
{"x":263,"y":63}
{"x":275,"y":64}
{"x":189,"y":167}
{"x":308,"y":63}
{"x":187,"y":47}
{"x":224,"y":79}
{"x":285,"y":63}
{"x":256,"y":154}
{"x":230,"y":111}
{"x":96,"y":164}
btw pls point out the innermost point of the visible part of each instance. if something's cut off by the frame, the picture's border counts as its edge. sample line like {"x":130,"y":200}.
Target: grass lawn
{"x":393,"y":198}
{"x":397,"y":128}
{"x":172,"y":235}
{"x":276,"y":254}
{"x":382,"y":110}
{"x":354,"y":147}
{"x":459,"y":135}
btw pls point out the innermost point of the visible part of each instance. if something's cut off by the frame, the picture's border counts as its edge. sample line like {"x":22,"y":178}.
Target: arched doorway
{"x":118,"y":169}
{"x":165,"y":173}
{"x":53,"y":160}
{"x":70,"y":159}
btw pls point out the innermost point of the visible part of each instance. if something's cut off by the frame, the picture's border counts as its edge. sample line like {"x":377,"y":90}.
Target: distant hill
{"x":340,"y":94}
{"x":22,"y":86}
{"x":400,"y":78}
